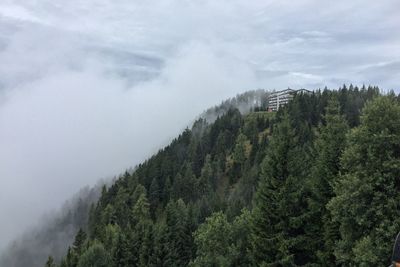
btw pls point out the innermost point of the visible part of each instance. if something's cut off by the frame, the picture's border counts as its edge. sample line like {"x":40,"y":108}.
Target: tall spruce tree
{"x":161,"y":245}
{"x":179,"y":235}
{"x":329,"y":147}
{"x":366,"y":204}
{"x":142,"y":232}
{"x":277,"y":232}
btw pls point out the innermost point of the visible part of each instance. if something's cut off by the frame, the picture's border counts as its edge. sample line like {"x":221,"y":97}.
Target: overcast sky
{"x":91,"y":87}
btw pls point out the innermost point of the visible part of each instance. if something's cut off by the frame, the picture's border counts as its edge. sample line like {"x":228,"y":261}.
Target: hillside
{"x":314,"y":184}
{"x":56,"y":231}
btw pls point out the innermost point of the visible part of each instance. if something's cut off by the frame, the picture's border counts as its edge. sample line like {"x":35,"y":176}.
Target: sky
{"x":89,"y":88}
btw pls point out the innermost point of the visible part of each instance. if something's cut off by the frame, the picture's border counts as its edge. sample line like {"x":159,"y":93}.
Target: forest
{"x":315,"y":184}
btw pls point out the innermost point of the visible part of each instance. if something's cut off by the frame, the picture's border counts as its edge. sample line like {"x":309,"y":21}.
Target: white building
{"x":281,"y":98}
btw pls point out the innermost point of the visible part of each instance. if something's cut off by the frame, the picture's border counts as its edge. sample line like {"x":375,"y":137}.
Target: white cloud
{"x":19,"y":13}
{"x":72,"y":127}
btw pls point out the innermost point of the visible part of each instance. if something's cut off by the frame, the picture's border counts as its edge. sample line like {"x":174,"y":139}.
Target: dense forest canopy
{"x":315,"y":184}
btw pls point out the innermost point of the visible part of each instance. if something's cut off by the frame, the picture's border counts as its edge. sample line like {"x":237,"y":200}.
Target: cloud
{"x":18,"y":12}
{"x":74,"y":126}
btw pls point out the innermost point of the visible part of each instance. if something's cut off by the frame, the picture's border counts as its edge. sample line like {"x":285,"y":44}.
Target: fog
{"x":90,"y":88}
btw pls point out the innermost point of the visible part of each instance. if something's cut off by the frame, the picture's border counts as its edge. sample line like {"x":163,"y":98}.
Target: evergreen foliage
{"x":367,"y":198}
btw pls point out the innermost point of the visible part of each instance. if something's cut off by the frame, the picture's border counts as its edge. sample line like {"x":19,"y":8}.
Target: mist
{"x":91,"y":88}
{"x":72,"y":128}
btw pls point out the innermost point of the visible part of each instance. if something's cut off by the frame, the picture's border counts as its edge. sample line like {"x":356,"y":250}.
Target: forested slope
{"x":316,"y":184}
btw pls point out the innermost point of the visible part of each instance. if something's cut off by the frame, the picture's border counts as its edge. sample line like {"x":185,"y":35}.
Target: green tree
{"x":239,"y":157}
{"x":141,"y":210}
{"x":213,"y":239}
{"x":121,"y":207}
{"x":206,"y":177}
{"x":240,"y":233}
{"x":122,"y":254}
{"x":142,"y":233}
{"x":50,"y":262}
{"x":95,"y":256}
{"x":220,"y":243}
{"x":329,"y":147}
{"x":366,"y":204}
{"x":154,"y":195}
{"x":239,"y":153}
{"x":161,"y":247}
{"x":279,"y":215}
{"x":71,"y":259}
{"x":79,"y":242}
{"x":110,"y":236}
{"x":179,"y":234}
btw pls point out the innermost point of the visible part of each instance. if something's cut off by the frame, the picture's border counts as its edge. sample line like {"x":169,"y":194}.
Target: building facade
{"x":281,"y":98}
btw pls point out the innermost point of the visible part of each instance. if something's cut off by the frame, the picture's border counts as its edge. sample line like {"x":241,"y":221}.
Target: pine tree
{"x":122,"y":254}
{"x":189,"y":185}
{"x":240,"y":228}
{"x":179,"y":234}
{"x":142,"y":232}
{"x":110,"y":235}
{"x":167,"y":191}
{"x":50,"y":262}
{"x":206,"y":177}
{"x":239,"y":157}
{"x":121,"y":208}
{"x":95,"y":255}
{"x":79,"y":242}
{"x":329,"y":147}
{"x":220,"y":243}
{"x":154,"y":195}
{"x":71,"y":259}
{"x":366,"y":204}
{"x":213,"y":239}
{"x":279,"y":217}
{"x":161,"y":245}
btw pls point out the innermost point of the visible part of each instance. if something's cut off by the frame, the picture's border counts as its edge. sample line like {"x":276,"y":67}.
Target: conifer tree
{"x":206,"y":177}
{"x":141,"y":231}
{"x":213,"y":239}
{"x":154,"y":195}
{"x":79,"y":242}
{"x":50,"y":262}
{"x":366,"y":204}
{"x":95,"y":255}
{"x":161,"y":245}
{"x":240,"y":234}
{"x":167,"y":191}
{"x":178,"y":234}
{"x":239,"y":157}
{"x":122,"y":254}
{"x":329,"y":147}
{"x":279,"y":215}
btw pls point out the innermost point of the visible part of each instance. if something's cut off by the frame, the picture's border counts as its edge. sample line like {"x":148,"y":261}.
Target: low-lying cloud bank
{"x":53,"y":234}
{"x":70,"y":128}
